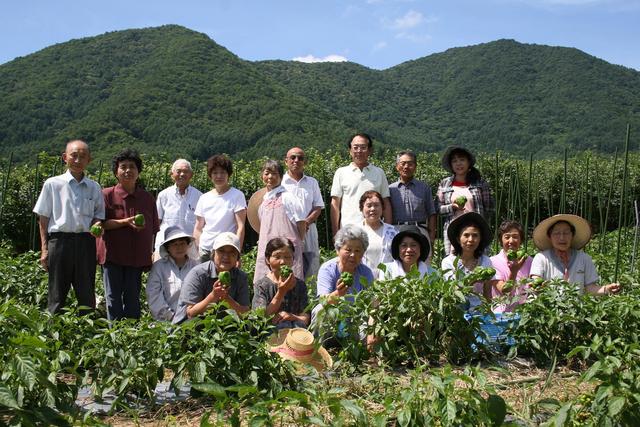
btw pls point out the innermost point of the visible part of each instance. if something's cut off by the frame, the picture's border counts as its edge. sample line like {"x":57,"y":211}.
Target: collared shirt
{"x":71,"y":206}
{"x":483,"y":202}
{"x":412,"y":201}
{"x":349,"y":182}
{"x":307,"y":191}
{"x":177,"y":209}
{"x":450,"y":272}
{"x":292,"y":205}
{"x":581,"y":269}
{"x":379,"y":249}
{"x":126,"y":246}
{"x":163,"y":286}
{"x":199,"y":283}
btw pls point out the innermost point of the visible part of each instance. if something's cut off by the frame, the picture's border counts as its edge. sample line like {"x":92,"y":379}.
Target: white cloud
{"x":410,"y":20}
{"x":380,"y":45}
{"x":415,"y":38}
{"x":329,"y":58}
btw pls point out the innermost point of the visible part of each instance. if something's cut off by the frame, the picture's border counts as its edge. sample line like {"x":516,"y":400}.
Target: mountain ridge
{"x":172,"y":91}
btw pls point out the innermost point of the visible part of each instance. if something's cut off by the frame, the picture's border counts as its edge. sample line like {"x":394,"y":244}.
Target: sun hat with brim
{"x":580,"y":238}
{"x":414,"y":232}
{"x":298,"y":345}
{"x":170,"y":234}
{"x":446,"y":158}
{"x":252,"y":209}
{"x":227,"y":239}
{"x":465,"y":220}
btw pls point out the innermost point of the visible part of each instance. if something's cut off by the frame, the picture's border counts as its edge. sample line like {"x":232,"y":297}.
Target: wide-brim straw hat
{"x":173,"y":232}
{"x":252,"y":208}
{"x":446,"y":158}
{"x":580,"y":238}
{"x":465,"y":220}
{"x":298,"y":345}
{"x":414,"y":232}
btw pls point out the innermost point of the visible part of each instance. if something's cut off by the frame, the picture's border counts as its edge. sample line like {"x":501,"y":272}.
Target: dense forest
{"x":171,"y":91}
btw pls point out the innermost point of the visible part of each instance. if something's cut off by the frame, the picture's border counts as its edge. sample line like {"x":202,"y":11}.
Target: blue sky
{"x":375,"y":33}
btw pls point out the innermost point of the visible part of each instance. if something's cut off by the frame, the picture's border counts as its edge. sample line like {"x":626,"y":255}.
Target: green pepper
{"x":512,"y":255}
{"x":461,"y":200}
{"x":225,"y":278}
{"x":285,"y":271}
{"x":537,"y":282}
{"x":522,"y":253}
{"x":138,"y":220}
{"x":96,"y":230}
{"x":347,"y":278}
{"x":508,"y":286}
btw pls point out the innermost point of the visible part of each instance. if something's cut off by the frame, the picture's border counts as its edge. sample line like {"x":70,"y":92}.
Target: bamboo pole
{"x":5,"y":184}
{"x":526,"y":218}
{"x":622,"y":202}
{"x":563,"y":206}
{"x":608,"y":201}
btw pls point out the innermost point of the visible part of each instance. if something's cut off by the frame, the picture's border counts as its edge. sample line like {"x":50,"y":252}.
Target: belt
{"x":61,"y":235}
{"x":418,"y":223}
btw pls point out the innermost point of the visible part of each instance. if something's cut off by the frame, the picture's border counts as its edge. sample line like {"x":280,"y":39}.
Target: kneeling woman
{"x":560,"y":239}
{"x":409,"y":249}
{"x":205,"y":284}
{"x":168,"y":273}
{"x":469,"y":235}
{"x":284,"y":297}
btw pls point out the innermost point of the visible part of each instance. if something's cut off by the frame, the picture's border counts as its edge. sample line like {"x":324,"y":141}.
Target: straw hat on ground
{"x":580,"y":238}
{"x":252,"y":208}
{"x":298,"y":345}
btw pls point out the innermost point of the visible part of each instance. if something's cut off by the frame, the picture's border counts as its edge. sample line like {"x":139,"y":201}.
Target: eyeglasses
{"x":562,"y":234}
{"x":296,"y":156}
{"x":359,"y":147}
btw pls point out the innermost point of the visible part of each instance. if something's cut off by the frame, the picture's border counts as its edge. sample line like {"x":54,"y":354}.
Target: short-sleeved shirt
{"x":306,"y":190}
{"x":295,"y":301}
{"x":581,"y":271}
{"x":329,"y":274}
{"x":412,"y":201}
{"x":199,"y":283}
{"x":71,"y":206}
{"x":176,"y":209}
{"x":349,"y":182}
{"x":395,"y":269}
{"x":219,"y":213}
{"x":126,"y":246}
{"x":447,"y":264}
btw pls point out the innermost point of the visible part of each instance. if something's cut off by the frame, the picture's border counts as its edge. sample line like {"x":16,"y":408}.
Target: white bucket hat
{"x":173,"y":233}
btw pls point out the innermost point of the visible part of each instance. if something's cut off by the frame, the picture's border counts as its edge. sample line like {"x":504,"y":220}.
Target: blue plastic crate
{"x":495,"y":329}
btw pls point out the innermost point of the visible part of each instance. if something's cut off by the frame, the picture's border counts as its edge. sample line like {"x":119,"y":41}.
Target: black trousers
{"x":72,"y":262}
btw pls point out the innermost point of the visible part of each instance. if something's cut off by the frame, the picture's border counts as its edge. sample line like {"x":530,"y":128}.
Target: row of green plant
{"x":586,"y":184}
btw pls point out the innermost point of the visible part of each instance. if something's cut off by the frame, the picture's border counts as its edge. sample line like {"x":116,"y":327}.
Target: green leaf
{"x":26,"y":370}
{"x":616,"y":405}
{"x":404,"y":416}
{"x":354,"y":409}
{"x":7,"y":399}
{"x":497,"y":409}
{"x":212,"y":389}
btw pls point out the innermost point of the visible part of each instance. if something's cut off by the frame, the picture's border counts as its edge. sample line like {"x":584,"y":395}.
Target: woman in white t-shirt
{"x":223,"y":209}
{"x":560,"y":239}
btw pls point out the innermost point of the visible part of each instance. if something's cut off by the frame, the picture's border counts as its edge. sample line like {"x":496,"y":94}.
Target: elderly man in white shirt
{"x":350,"y":182}
{"x":67,"y":207}
{"x":176,"y":204}
{"x":307,"y":191}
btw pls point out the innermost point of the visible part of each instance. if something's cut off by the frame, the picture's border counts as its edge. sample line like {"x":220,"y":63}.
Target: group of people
{"x":195,"y":261}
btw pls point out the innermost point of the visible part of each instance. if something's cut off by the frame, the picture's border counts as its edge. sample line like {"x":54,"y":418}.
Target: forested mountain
{"x":175,"y":91}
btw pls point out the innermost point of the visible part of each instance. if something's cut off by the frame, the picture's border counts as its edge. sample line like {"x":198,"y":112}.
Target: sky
{"x":375,"y":33}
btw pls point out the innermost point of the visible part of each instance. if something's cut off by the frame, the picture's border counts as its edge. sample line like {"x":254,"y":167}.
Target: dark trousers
{"x":122,"y":286}
{"x":71,"y":262}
